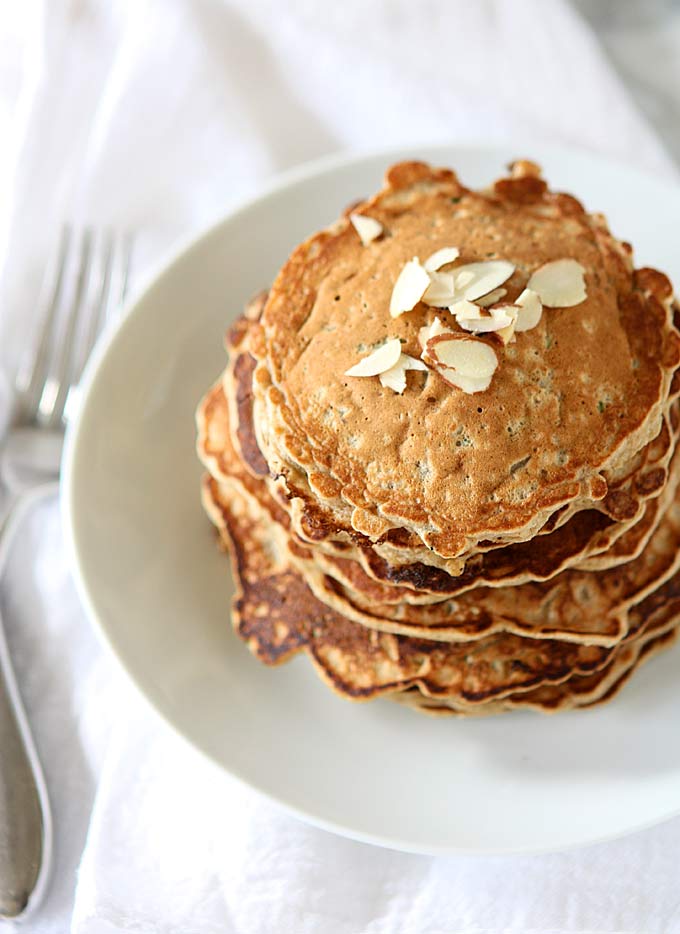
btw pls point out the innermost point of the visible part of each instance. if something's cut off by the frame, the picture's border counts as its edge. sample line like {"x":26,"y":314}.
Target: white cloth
{"x":157,"y":116}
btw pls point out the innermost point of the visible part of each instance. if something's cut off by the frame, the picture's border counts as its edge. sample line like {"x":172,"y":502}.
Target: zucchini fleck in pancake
{"x":443,"y":455}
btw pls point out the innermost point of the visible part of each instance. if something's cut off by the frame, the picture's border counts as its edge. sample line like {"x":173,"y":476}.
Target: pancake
{"x":653,"y":626}
{"x":579,"y":691}
{"x":578,"y":606}
{"x":276,"y":614}
{"x":575,"y":606}
{"x":578,"y":395}
{"x":393,"y":561}
{"x":588,"y":533}
{"x":498,"y":529}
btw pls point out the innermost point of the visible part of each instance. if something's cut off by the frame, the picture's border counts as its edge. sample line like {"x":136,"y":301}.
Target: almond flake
{"x":412,"y":363}
{"x":497,"y":321}
{"x":492,"y":298}
{"x":477,"y":279}
{"x":447,"y":254}
{"x":409,"y":288}
{"x":368,"y":228}
{"x":507,"y":334}
{"x":466,"y":383}
{"x":559,"y":284}
{"x":379,"y":361}
{"x":440,"y":292}
{"x":465,"y":309}
{"x":529,"y":312}
{"x":467,"y":356}
{"x":464,"y":278}
{"x":395,"y":377}
{"x":434,"y":329}
{"x":471,"y":317}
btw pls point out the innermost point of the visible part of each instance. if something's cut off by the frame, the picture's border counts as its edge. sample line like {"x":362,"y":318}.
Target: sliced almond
{"x":368,"y":228}
{"x":466,"y":383}
{"x":379,"y":361}
{"x":412,"y":363}
{"x":471,"y":360}
{"x":464,"y":362}
{"x":447,"y":254}
{"x":434,"y":329}
{"x":409,"y":288}
{"x":471,"y":317}
{"x":498,"y":320}
{"x":464,"y":278}
{"x":464,"y":309}
{"x":440,"y":292}
{"x":477,"y":279}
{"x":395,"y":377}
{"x":507,"y":334}
{"x":529,"y":310}
{"x":492,"y":298}
{"x":559,"y":284}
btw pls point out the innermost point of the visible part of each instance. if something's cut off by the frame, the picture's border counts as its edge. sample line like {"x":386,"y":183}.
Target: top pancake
{"x":225,"y":426}
{"x":579,"y":394}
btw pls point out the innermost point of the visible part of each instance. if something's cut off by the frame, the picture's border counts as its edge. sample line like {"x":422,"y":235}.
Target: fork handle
{"x":25,"y":823}
{"x":25,"y":818}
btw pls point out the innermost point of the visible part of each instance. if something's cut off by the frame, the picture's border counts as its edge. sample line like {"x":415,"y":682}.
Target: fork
{"x":82,"y":292}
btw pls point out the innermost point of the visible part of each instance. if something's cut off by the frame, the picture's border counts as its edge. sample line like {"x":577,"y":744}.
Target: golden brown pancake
{"x":277,"y":615}
{"x":598,"y":618}
{"x":580,"y":393}
{"x":579,"y":691}
{"x":587,"y":534}
{"x":464,"y":554}
{"x":575,"y":606}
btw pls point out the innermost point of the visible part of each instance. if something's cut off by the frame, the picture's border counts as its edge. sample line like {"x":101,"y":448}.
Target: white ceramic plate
{"x":153,"y":581}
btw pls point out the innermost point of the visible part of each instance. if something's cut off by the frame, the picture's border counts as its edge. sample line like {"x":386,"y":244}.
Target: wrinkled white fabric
{"x":156,"y":117}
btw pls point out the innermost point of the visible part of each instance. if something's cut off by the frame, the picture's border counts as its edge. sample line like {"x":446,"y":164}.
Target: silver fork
{"x":83,"y":289}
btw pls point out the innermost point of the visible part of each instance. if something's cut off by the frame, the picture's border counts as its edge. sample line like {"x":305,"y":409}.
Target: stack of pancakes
{"x":459,"y":552}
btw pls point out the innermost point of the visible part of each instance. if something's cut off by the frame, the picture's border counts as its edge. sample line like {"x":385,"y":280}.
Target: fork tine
{"x":97,"y":315}
{"x":110,"y":277}
{"x":33,"y":369}
{"x":55,"y":390}
{"x":94,"y":320}
{"x":88,"y":282}
{"x":121,"y":276}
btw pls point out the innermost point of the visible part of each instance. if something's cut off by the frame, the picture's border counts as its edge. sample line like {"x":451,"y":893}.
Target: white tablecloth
{"x":157,"y":116}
